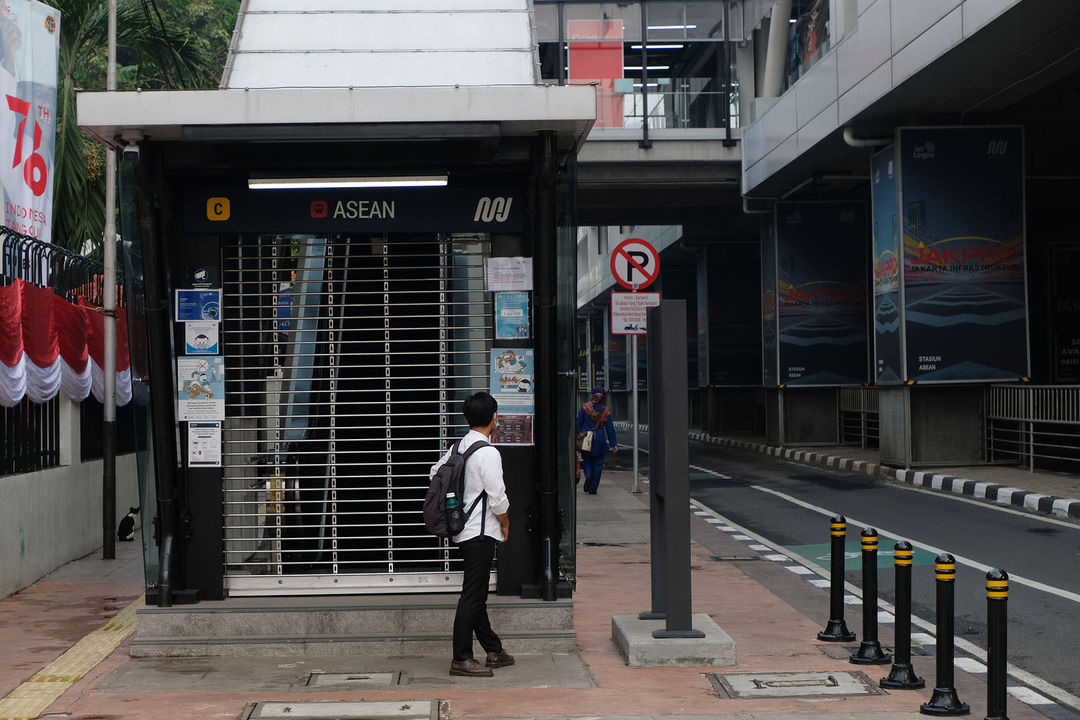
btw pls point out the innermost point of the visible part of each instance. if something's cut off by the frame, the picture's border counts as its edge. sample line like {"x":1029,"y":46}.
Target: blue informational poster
{"x":888,"y":334}
{"x":962,"y":199}
{"x":201,"y":338}
{"x":198,"y":304}
{"x":512,"y":316}
{"x":200,"y":385}
{"x":512,"y":379}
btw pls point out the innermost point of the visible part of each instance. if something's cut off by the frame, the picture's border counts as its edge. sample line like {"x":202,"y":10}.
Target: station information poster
{"x":513,"y":429}
{"x":509,"y":273}
{"x":821,"y":292}
{"x":200,"y":304}
{"x":965,"y":303}
{"x":512,"y":316}
{"x":201,"y":338}
{"x":201,"y":387}
{"x":511,"y":378}
{"x":204,"y":444}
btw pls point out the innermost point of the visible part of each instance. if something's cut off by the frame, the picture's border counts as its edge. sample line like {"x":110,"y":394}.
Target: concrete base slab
{"x":640,"y":649}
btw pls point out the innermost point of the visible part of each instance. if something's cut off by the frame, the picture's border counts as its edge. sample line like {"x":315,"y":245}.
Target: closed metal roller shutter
{"x":347,"y":359}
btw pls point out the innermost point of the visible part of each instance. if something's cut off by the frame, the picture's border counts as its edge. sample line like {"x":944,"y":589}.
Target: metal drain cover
{"x":780,"y":685}
{"x":394,"y":710}
{"x":326,"y":679}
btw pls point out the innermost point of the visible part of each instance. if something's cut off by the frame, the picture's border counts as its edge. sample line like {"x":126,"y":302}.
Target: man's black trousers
{"x":472,"y":616}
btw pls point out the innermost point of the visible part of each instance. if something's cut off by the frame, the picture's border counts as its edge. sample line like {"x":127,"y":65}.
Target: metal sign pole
{"x":634,"y":402}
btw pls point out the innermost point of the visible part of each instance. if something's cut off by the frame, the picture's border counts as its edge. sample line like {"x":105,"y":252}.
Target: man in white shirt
{"x":487,"y":525}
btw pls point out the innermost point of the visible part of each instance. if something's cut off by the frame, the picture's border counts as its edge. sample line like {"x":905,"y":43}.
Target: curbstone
{"x":1038,"y":502}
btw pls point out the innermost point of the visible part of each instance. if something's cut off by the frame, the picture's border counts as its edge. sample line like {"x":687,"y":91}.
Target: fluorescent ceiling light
{"x":651,"y":67}
{"x":658,"y":47}
{"x":672,"y":27}
{"x":346,"y":182}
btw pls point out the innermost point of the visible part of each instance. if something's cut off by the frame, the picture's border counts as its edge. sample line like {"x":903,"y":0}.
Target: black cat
{"x":126,"y":531}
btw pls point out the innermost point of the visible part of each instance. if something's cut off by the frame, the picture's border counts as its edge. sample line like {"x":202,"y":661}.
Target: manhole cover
{"x":325,"y":679}
{"x":396,"y":710}
{"x":778,"y":685}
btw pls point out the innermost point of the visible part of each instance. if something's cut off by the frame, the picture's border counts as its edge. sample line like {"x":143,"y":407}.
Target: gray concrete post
{"x":669,"y":461}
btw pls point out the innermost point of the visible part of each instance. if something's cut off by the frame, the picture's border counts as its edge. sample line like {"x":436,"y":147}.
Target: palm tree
{"x":158,"y":47}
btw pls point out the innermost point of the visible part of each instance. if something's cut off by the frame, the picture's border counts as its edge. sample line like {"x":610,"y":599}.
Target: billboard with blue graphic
{"x":962,"y":199}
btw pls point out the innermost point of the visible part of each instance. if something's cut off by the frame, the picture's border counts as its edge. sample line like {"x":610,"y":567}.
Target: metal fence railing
{"x":30,"y":432}
{"x":1034,"y":425}
{"x":858,"y":409}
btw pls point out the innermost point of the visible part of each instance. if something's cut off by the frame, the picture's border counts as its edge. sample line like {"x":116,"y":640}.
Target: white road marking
{"x":1028,"y":696}
{"x":710,"y":472}
{"x":969,"y":665}
{"x":1017,"y":579}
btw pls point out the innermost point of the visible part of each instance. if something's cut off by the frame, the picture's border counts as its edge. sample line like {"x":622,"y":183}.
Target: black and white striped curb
{"x":1064,"y":507}
{"x":1001,"y":494}
{"x":962,"y":661}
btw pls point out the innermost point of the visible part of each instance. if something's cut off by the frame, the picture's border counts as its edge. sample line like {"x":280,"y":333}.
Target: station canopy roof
{"x":358,"y":69}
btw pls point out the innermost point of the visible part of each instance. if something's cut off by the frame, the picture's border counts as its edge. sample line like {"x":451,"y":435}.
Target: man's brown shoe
{"x":499,"y":659}
{"x":470,"y":668}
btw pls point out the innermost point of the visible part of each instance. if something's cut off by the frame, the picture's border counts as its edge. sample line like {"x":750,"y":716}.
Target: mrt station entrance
{"x":306,"y":323}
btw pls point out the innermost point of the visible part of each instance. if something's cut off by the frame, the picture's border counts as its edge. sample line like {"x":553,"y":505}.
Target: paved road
{"x":790,"y":505}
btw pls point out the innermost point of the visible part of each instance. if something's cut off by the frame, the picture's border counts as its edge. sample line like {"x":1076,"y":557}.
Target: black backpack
{"x":450,"y":477}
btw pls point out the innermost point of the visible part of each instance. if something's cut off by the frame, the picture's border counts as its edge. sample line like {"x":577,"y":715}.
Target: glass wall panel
{"x":674,"y":79}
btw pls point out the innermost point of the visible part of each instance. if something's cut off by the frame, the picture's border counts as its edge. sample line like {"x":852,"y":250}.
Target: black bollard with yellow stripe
{"x":902,"y":676}
{"x":997,"y":603}
{"x":944,"y":701}
{"x":836,"y":630}
{"x":870,"y":652}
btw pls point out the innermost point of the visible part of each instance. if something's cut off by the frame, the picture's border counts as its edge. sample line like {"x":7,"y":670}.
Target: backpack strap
{"x":483,"y":493}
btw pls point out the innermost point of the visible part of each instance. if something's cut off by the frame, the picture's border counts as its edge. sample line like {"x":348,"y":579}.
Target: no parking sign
{"x":635,"y":264}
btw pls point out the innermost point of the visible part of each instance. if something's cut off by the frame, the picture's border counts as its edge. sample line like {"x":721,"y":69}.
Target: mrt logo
{"x":218,"y":209}
{"x":319,"y":209}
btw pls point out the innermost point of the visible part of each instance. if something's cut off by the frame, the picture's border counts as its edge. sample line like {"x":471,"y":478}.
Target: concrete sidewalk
{"x":62,"y":611}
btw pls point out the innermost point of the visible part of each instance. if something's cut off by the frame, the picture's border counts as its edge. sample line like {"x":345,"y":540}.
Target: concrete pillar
{"x":776,"y":57}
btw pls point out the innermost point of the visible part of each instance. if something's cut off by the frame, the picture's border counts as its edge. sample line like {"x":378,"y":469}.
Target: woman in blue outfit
{"x":596,"y":416}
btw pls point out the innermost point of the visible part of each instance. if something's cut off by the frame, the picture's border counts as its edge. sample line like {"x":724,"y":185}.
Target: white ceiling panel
{"x":369,"y":43}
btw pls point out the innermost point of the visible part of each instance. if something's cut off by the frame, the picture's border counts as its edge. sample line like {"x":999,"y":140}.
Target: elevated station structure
{"x":894,"y":269}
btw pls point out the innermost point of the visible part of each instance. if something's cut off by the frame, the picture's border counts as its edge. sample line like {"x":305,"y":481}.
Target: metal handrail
{"x":1026,"y":423}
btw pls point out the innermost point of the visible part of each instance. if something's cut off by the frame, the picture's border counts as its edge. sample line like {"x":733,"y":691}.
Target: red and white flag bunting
{"x":47,"y":345}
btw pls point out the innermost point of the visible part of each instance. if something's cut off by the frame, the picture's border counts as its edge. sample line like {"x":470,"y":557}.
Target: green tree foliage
{"x":161,"y":44}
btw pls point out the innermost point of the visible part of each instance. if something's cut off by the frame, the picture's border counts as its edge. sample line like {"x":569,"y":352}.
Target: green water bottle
{"x":455,"y":518}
